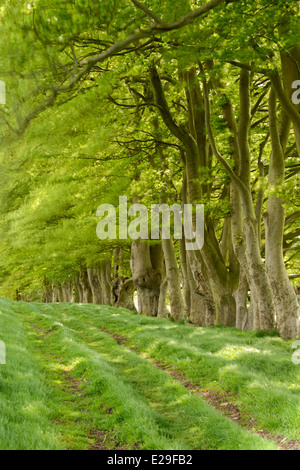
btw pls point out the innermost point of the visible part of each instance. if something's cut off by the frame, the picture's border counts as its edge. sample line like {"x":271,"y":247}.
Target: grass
{"x":24,"y":395}
{"x":258,"y":369}
{"x":76,"y":382}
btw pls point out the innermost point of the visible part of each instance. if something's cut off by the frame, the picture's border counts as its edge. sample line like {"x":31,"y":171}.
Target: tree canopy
{"x":184,"y":102}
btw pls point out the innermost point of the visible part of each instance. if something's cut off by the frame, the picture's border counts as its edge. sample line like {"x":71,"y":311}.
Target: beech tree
{"x":184,"y":105}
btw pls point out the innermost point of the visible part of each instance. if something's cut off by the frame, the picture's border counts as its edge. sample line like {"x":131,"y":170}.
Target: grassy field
{"x":95,"y":377}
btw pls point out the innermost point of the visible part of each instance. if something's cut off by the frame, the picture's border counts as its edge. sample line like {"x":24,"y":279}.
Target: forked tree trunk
{"x":287,"y":306}
{"x":194,"y":142}
{"x":251,"y":261}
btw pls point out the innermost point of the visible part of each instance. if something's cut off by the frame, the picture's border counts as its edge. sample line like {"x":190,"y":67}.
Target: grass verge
{"x":148,"y":408}
{"x":69,"y":384}
{"x":257,"y":371}
{"x":25,"y":399}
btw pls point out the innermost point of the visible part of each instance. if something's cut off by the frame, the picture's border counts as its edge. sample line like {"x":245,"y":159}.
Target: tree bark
{"x":85,"y":287}
{"x":252,"y":263}
{"x":123,"y":291}
{"x":217,"y":276}
{"x":93,"y":277}
{"x":290,"y":63}
{"x":173,"y":279}
{"x":162,"y":301}
{"x":185,"y":279}
{"x":243,"y":321}
{"x":79,"y":291}
{"x":146,"y":267}
{"x":105,"y":282}
{"x":287,"y":307}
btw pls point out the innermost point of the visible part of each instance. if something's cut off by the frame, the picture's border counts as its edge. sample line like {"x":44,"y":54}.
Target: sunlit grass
{"x":24,"y":396}
{"x":68,"y":373}
{"x":220,"y":358}
{"x":152,"y":396}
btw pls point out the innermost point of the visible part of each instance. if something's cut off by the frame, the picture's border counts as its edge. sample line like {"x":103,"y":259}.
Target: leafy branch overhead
{"x":156,"y":102}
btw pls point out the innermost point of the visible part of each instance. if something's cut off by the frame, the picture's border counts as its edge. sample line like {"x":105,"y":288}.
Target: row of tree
{"x":162,"y":102}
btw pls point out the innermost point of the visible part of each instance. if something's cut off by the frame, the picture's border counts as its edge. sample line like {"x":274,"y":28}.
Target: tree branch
{"x":148,"y":12}
{"x":285,"y":102}
{"x":212,"y":142}
{"x":116,"y":48}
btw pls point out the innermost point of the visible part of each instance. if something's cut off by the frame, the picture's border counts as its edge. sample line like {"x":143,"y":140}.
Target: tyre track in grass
{"x":103,"y":440}
{"x":223,"y":401}
{"x":148,"y":422}
{"x":220,"y":402}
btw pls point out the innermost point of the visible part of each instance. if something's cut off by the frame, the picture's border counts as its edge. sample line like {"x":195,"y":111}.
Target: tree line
{"x":164,"y":103}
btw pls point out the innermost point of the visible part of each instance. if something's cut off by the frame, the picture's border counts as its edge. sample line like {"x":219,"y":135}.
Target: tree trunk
{"x":259,"y":282}
{"x":243,"y":321}
{"x":250,"y":259}
{"x":186,"y":290}
{"x":123,"y":291}
{"x":287,"y":307}
{"x":71,"y":291}
{"x":79,"y":293}
{"x":195,"y":158}
{"x":85,"y":287}
{"x":199,"y":312}
{"x":59,"y":294}
{"x":93,"y":277}
{"x":105,"y":283}
{"x":147,"y":268}
{"x":162,"y":302}
{"x":290,"y":61}
{"x":48,"y":293}
{"x":65,"y":293}
{"x":173,"y":279}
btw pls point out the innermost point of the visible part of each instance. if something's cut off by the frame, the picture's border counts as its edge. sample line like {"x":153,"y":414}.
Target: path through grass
{"x":93,"y":392}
